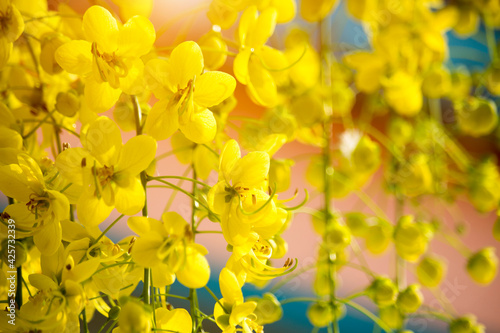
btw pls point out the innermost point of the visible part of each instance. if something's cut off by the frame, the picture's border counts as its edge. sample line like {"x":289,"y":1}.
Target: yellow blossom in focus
{"x":186,"y":93}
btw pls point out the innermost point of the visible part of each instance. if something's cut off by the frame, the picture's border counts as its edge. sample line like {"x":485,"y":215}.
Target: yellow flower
{"x":241,"y":190}
{"x":253,"y":63}
{"x":37,"y":203}
{"x":403,"y":93}
{"x":108,"y":171}
{"x":109,"y":58}
{"x":185,"y":94}
{"x":12,"y":27}
{"x":431,"y":271}
{"x":168,"y":248}
{"x":234,"y":314}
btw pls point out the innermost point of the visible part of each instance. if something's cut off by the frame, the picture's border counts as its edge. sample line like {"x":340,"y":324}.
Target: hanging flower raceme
{"x":168,"y":248}
{"x":108,"y":171}
{"x":185,"y":93}
{"x":109,"y":59}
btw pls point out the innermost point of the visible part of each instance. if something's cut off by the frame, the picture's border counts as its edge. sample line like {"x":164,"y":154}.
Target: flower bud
{"x":415,"y":178}
{"x":268,"y":309}
{"x":357,"y":223}
{"x":483,"y":183}
{"x":466,"y":324}
{"x":280,"y":173}
{"x":400,"y":131}
{"x":134,"y":317}
{"x":365,"y":157}
{"x":321,"y":313}
{"x":68,"y":103}
{"x":337,"y":237}
{"x":410,"y":238}
{"x":410,"y":299}
{"x":391,"y":316}
{"x":50,"y":43}
{"x":430,"y":271}
{"x":437,"y":82}
{"x":378,"y":237}
{"x":114,"y":312}
{"x":383,"y":291}
{"x":483,"y":266}
{"x":476,"y":116}
{"x":214,"y":50}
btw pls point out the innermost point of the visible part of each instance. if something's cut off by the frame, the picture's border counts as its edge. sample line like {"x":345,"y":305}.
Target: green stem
{"x":33,"y":130}
{"x":491,"y":42}
{"x":325,"y":51}
{"x":215,"y":298}
{"x":146,"y":290}
{"x":192,"y":295}
{"x":84,"y":320}
{"x":178,"y":177}
{"x":367,"y":313}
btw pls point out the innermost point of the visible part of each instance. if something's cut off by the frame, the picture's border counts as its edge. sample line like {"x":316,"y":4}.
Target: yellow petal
{"x":145,"y":249}
{"x":229,"y":287}
{"x":129,"y":8}
{"x":71,"y":163}
{"x":182,"y":148}
{"x":252,"y":169}
{"x":48,"y":238}
{"x":136,"y":155}
{"x":90,"y":210}
{"x":186,"y":62}
{"x":264,"y":28}
{"x":286,"y":10}
{"x":195,"y":272}
{"x":162,"y":120}
{"x":100,"y":27}
{"x":217,"y":197}
{"x":75,"y":57}
{"x":176,"y":320}
{"x":156,"y":76}
{"x":134,"y":83}
{"x":15,"y":25}
{"x":13,"y":183}
{"x":201,"y":127}
{"x":103,"y":140}
{"x":247,"y":24}
{"x":240,"y":66}
{"x":316,"y":10}
{"x":213,"y":87}
{"x":10,"y":138}
{"x":100,"y":96}
{"x":241,"y":311}
{"x":130,"y":200}
{"x":136,"y":37}
{"x":5,"y":50}
{"x":230,"y":155}
{"x":262,"y":87}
